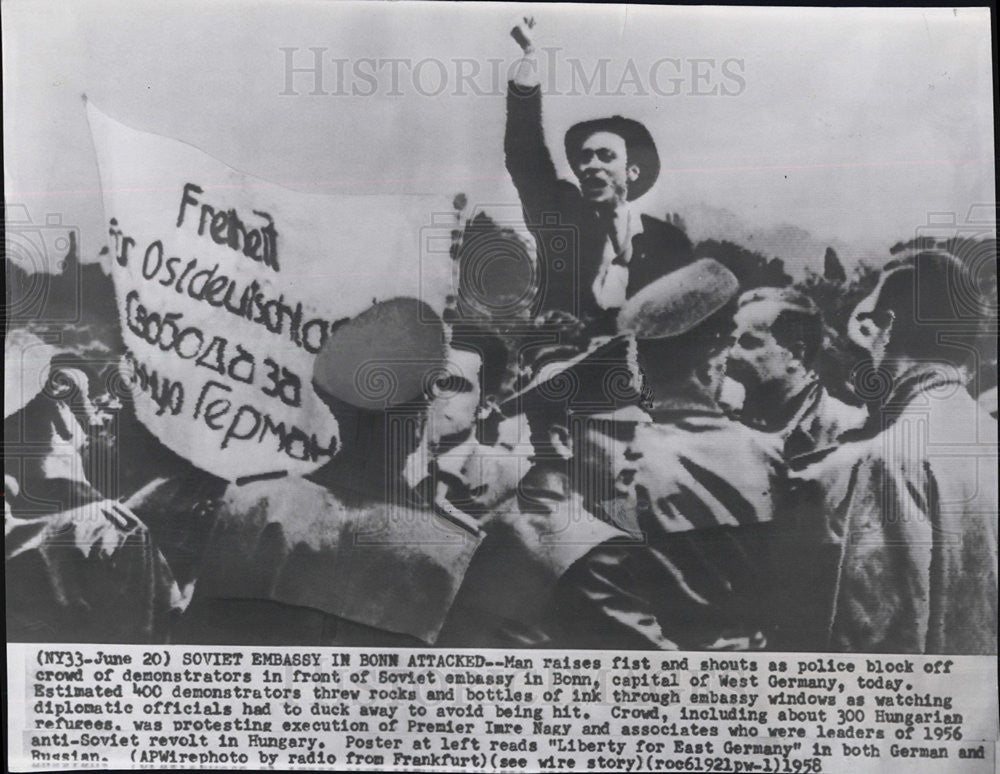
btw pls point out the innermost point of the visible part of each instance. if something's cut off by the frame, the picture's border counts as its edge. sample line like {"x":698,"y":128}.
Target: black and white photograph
{"x":652,"y":348}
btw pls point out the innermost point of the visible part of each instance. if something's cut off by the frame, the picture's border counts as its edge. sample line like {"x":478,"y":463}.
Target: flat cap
{"x":387,"y":355}
{"x":678,"y":301}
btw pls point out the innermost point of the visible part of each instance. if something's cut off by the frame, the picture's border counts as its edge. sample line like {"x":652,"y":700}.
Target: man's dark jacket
{"x":570,"y":239}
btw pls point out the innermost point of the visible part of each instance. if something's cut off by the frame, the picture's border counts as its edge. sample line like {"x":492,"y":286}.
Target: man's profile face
{"x":601,"y":164}
{"x":493,"y":472}
{"x":756,"y":359}
{"x":488,"y":474}
{"x":456,"y":397}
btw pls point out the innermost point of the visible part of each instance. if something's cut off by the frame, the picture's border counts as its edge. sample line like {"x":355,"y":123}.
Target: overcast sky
{"x":852,"y":125}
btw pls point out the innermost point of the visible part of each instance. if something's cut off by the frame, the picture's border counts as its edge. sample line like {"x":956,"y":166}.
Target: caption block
{"x":177,"y":707}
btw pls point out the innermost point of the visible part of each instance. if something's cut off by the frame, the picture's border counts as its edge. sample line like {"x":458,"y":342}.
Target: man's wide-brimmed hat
{"x":638,"y":143}
{"x":387,"y":355}
{"x":678,"y":301}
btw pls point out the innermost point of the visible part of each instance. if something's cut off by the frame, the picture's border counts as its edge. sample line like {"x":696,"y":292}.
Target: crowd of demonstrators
{"x":572,"y":478}
{"x":549,"y":488}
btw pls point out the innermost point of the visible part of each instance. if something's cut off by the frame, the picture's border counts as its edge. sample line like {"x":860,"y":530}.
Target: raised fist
{"x":521,"y":32}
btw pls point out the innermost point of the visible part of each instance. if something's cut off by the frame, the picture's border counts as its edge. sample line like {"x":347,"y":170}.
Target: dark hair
{"x":491,"y":349}
{"x":926,"y":295}
{"x":800,"y":321}
{"x":542,"y":416}
{"x":794,"y":326}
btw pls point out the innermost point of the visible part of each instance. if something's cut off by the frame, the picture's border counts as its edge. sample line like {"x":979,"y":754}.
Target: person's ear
{"x":65,"y":425}
{"x":632,"y":172}
{"x":798,"y":350}
{"x":890,"y":319}
{"x":883,"y":321}
{"x":712,"y":367}
{"x":560,"y":441}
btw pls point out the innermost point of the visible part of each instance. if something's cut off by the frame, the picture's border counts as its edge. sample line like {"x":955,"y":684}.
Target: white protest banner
{"x":227,"y":286}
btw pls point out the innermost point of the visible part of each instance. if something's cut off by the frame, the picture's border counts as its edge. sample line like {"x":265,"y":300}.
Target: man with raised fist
{"x":594,"y":249}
